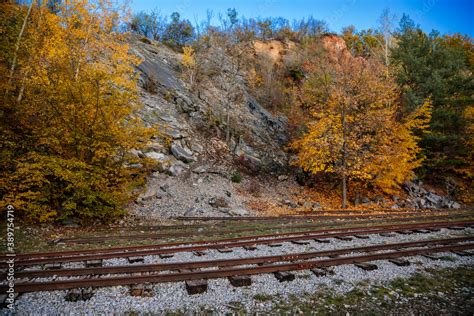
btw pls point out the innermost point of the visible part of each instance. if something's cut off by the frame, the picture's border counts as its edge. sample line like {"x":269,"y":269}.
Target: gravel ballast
{"x":220,"y":295}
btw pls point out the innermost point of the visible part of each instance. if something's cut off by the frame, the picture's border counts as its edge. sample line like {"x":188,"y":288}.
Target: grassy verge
{"x":434,"y":292}
{"x":36,"y":238}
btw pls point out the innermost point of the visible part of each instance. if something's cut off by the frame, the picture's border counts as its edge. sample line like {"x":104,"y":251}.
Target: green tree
{"x":179,"y":32}
{"x":428,"y":65}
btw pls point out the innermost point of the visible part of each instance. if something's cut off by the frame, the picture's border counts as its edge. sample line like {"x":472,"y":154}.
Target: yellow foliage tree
{"x":69,"y":113}
{"x":354,"y":131}
{"x":189,"y":63}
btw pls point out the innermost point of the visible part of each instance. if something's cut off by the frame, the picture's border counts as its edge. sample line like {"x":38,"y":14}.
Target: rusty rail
{"x":231,"y":262}
{"x":226,"y":272}
{"x":96,"y":239}
{"x":81,"y":255}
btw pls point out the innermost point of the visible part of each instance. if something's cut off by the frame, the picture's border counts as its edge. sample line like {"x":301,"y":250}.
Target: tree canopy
{"x":68,"y":110}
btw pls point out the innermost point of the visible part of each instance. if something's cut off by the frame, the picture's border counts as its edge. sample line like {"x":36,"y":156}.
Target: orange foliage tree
{"x":355,"y":131}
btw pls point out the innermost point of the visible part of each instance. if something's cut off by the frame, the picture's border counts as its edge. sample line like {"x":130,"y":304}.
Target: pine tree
{"x":439,"y":67}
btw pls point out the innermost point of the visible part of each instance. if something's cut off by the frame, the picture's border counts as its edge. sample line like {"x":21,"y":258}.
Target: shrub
{"x":46,"y":188}
{"x":236,"y":177}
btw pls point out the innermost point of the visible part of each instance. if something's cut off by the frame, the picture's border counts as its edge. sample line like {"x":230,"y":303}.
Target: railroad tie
{"x":366,"y":266}
{"x":322,"y":241}
{"x":284,"y":276}
{"x":135,"y":259}
{"x":400,"y":262}
{"x":320,"y":272}
{"x":434,"y":229}
{"x":387,"y":234}
{"x":422,"y":231}
{"x":456,"y":228}
{"x":194,"y":286}
{"x":404,"y":232}
{"x":224,"y":250}
{"x":80,"y":294}
{"x":145,"y":290}
{"x":52,"y":266}
{"x":362,"y":236}
{"x":275,"y":244}
{"x":199,"y":253}
{"x":300,"y":242}
{"x":432,"y":257}
{"x":93,"y":263}
{"x":240,"y":280}
{"x":250,"y":247}
{"x":166,"y":255}
{"x":463,"y":253}
{"x":345,"y":238}
{"x":3,"y":300}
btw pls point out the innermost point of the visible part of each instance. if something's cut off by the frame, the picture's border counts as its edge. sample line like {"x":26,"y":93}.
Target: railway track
{"x":142,"y":236}
{"x":323,"y":215}
{"x":231,"y":262}
{"x":233,"y":267}
{"x":28,"y":259}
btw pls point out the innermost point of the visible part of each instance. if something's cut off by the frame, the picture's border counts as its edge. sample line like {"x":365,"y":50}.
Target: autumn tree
{"x":354,"y":132}
{"x":68,"y":114}
{"x":386,"y":28}
{"x":188,"y":62}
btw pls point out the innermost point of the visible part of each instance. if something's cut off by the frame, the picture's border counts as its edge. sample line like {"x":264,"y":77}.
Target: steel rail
{"x":239,"y":243}
{"x":81,"y":255}
{"x":315,"y":216}
{"x":143,"y":236}
{"x":231,"y":262}
{"x":221,"y":273}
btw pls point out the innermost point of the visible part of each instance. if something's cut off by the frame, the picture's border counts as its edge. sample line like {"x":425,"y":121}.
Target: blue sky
{"x":443,"y":15}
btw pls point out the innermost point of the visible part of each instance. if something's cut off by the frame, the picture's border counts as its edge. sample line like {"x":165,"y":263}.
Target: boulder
{"x":182,"y":153}
{"x":433,"y":198}
{"x":200,"y":169}
{"x":219,"y":202}
{"x":282,"y":177}
{"x":290,"y":203}
{"x":252,"y":163}
{"x":238,"y":212}
{"x":185,"y":104}
{"x":177,"y":168}
{"x":307,"y":205}
{"x":155,"y":156}
{"x":136,"y":153}
{"x":196,"y":147}
{"x":456,"y":205}
{"x":147,"y":196}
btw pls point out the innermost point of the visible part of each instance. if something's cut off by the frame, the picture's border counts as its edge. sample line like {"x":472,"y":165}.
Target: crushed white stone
{"x":221,"y":295}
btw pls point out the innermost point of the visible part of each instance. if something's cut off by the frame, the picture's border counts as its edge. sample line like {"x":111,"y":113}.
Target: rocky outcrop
{"x":421,"y":198}
{"x":181,"y":152}
{"x":182,"y":113}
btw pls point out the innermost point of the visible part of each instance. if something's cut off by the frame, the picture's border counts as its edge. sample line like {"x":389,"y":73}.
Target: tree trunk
{"x":344,"y":191}
{"x":344,"y":157}
{"x":17,"y":46}
{"x":227,"y":132}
